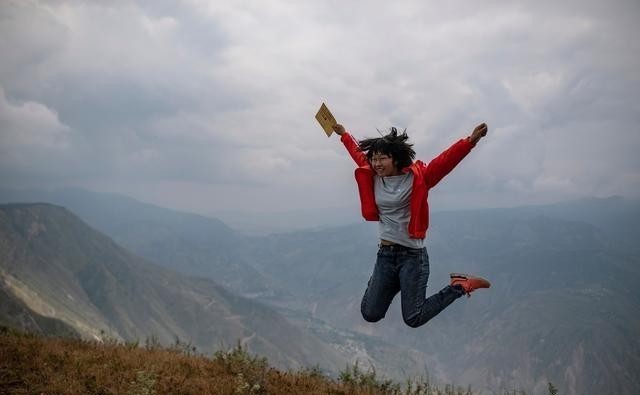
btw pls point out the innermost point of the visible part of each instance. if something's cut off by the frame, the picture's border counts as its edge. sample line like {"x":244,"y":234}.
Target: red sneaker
{"x":468,"y":283}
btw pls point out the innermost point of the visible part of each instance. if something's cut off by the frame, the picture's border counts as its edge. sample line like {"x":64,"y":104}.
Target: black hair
{"x":393,"y":145}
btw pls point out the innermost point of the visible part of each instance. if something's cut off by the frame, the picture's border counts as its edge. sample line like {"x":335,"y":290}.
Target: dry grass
{"x":36,"y":365}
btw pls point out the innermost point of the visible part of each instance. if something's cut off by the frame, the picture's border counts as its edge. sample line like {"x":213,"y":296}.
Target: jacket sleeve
{"x":446,"y":161}
{"x":354,"y":150}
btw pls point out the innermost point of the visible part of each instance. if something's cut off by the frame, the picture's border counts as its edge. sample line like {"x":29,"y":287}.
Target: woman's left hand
{"x":479,"y":132}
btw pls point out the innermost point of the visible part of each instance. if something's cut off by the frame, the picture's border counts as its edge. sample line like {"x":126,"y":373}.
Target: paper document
{"x":326,"y":119}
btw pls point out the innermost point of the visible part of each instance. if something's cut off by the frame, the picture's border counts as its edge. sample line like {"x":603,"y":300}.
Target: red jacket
{"x":425,"y":177}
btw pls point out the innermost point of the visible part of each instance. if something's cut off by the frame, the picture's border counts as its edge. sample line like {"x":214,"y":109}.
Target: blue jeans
{"x":405,"y":270}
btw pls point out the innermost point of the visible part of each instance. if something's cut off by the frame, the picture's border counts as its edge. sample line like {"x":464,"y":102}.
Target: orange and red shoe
{"x":468,"y":283}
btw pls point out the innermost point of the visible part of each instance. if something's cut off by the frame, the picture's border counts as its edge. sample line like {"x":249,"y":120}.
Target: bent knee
{"x":370,"y":316}
{"x":412,"y":321}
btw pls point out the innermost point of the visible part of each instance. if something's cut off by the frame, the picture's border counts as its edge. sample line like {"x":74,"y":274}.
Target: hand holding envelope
{"x":326,"y":119}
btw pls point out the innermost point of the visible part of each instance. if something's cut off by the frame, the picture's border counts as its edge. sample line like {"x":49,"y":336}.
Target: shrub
{"x":357,"y":378}
{"x":250,"y":371}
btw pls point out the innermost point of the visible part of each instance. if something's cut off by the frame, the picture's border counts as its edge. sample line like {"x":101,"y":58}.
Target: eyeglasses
{"x":381,"y":158}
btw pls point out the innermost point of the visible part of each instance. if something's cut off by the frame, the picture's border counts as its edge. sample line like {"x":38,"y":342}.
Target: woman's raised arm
{"x":351,"y":145}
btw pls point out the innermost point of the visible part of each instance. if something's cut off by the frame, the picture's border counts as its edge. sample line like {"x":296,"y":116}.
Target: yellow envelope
{"x":326,"y":119}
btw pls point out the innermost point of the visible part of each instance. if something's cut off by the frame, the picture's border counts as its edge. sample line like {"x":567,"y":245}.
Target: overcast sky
{"x":209,"y":106}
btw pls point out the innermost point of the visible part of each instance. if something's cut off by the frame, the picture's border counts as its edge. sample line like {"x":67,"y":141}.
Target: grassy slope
{"x":32,"y":364}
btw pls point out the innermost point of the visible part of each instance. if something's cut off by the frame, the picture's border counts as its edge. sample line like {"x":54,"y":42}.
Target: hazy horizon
{"x":256,"y":223}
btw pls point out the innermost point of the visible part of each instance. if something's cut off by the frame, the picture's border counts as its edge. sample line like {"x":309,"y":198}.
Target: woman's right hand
{"x":339,"y":129}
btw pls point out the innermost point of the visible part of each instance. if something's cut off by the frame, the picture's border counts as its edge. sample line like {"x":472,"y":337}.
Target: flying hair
{"x":392,"y":144}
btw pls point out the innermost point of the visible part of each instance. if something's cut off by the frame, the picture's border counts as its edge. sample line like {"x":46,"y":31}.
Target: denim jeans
{"x":405,"y":270}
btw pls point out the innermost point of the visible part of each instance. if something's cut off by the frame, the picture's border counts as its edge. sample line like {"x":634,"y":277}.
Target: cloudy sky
{"x":209,"y":106}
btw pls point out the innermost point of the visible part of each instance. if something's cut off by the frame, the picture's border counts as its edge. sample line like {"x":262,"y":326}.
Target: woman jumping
{"x":393,"y":190}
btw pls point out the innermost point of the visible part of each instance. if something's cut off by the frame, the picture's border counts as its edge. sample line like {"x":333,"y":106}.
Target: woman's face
{"x":383,"y":165}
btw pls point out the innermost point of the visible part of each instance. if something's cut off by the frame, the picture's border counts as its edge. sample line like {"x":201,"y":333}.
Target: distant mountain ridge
{"x":62,"y":268}
{"x":562,"y":308}
{"x":188,"y":243}
{"x":63,"y":272}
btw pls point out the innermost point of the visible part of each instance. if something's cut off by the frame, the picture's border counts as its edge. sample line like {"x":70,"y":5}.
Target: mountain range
{"x":61,"y":268}
{"x":62,"y":277}
{"x":563,"y":306}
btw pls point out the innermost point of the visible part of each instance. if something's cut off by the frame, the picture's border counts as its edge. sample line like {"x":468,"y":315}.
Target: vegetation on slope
{"x":33,"y":364}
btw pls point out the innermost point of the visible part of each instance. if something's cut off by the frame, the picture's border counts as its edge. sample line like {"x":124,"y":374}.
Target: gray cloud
{"x":202,"y":105}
